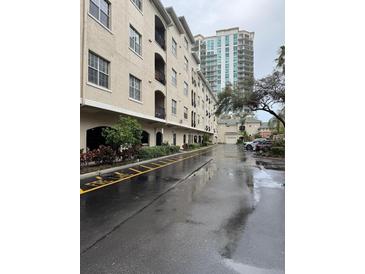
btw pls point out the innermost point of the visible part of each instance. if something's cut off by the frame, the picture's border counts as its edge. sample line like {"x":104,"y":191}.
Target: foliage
{"x":280,"y":61}
{"x":267,"y":94}
{"x":193,"y":146}
{"x":206,"y":140}
{"x":245,"y":137}
{"x":101,"y":155}
{"x":277,"y":151}
{"x":104,"y":155}
{"x":157,"y":151}
{"x":239,"y":141}
{"x":126,"y":134}
{"x":257,"y":135}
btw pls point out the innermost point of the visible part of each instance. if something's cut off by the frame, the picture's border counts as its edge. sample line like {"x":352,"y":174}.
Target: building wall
{"x":113,"y":45}
{"x":252,"y":128}
{"x":224,"y":130}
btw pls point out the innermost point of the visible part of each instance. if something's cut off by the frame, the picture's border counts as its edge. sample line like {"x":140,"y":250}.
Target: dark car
{"x":264,"y":145}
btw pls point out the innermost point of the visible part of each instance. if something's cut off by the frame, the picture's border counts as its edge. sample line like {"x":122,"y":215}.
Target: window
{"x":174,"y":78}
{"x":173,"y":107}
{"x":185,"y":113}
{"x":138,"y":4}
{"x":100,"y":10}
{"x":186,"y":64}
{"x":134,"y":88}
{"x":135,"y":40}
{"x":186,"y":44}
{"x":98,"y":70}
{"x":198,"y":119}
{"x":198,"y":100}
{"x":174,"y":47}
{"x":186,"y":89}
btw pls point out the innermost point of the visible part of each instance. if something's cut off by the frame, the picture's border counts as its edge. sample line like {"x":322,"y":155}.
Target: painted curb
{"x":113,"y":169}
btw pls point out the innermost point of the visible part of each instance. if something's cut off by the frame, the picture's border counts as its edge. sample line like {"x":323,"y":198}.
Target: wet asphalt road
{"x":226,"y":217}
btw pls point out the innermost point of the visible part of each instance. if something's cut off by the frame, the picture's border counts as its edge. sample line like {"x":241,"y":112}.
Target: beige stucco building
{"x":230,"y":128}
{"x":136,"y":60}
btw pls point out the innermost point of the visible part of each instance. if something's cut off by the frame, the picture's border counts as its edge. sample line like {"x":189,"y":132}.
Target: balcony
{"x":160,"y":113}
{"x":160,"y":32}
{"x":160,"y":105}
{"x":160,"y":69}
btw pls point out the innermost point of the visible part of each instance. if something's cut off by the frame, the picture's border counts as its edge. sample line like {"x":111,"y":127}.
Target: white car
{"x":252,"y":145}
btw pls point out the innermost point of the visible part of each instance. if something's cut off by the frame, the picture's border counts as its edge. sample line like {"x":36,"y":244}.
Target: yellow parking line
{"x":105,"y":183}
{"x":136,"y":170}
{"x":146,"y":167}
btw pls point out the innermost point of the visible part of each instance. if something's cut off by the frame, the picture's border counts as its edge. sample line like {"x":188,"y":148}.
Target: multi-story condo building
{"x":136,"y":60}
{"x":227,"y":58}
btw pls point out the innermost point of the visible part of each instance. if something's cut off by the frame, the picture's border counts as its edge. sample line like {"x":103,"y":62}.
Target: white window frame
{"x":186,"y":89}
{"x":132,"y":85}
{"x":98,"y":4}
{"x":99,"y":70}
{"x":173,"y":102}
{"x":174,"y":79}
{"x":174,"y":47}
{"x":186,"y":43}
{"x":137,"y":6}
{"x":186,"y":113}
{"x":186,"y":64}
{"x":133,"y":35}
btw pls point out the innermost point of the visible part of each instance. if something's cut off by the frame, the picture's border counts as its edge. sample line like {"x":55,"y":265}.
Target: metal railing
{"x":160,"y":76}
{"x":160,"y":112}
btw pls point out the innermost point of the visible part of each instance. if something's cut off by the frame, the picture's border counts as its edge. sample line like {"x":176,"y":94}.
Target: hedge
{"x":278,"y":151}
{"x":157,"y":151}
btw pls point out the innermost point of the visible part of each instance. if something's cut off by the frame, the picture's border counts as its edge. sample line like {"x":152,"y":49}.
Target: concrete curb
{"x":113,"y":169}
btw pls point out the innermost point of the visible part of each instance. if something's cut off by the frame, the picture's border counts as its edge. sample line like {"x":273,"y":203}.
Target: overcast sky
{"x":264,"y":17}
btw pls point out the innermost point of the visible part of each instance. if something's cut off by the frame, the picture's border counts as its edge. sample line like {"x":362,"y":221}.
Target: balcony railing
{"x":160,"y":40}
{"x":160,"y":113}
{"x":160,"y":76}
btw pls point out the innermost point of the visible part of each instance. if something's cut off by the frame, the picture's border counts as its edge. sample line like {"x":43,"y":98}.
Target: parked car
{"x":263,"y":145}
{"x":252,"y":145}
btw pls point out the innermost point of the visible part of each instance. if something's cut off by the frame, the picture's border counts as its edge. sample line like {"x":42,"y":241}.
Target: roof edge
{"x":162,"y":11}
{"x":187,"y":29}
{"x":175,"y":19}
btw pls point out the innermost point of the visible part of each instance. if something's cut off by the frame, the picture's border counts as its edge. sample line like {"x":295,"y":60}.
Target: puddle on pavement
{"x":245,"y":269}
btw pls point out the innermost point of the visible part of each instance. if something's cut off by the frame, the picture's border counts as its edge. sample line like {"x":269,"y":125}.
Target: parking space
{"x":97,"y":182}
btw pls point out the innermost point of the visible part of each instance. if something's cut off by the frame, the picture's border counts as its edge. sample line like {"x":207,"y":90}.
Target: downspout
{"x":83,"y":42}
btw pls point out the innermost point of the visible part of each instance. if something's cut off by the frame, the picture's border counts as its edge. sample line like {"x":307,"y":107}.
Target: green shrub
{"x":193,"y":146}
{"x":239,"y":141}
{"x":277,"y":151}
{"x":157,"y":151}
{"x":279,"y":143}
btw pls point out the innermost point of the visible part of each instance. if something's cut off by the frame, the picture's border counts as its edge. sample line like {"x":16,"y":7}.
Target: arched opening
{"x":160,"y":32}
{"x":200,"y":139}
{"x":94,"y":137}
{"x":174,"y":139}
{"x":195,"y":139}
{"x":184,"y":139}
{"x":158,"y":138}
{"x":160,"y":69}
{"x":145,"y":138}
{"x":160,"y":105}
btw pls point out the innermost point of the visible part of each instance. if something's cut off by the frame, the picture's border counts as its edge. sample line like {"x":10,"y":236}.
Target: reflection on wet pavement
{"x":226,"y":217}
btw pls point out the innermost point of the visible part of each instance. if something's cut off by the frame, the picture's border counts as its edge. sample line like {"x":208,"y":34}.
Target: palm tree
{"x":281,"y":59}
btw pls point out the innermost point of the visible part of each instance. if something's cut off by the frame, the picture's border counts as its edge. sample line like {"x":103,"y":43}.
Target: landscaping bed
{"x":144,"y":153}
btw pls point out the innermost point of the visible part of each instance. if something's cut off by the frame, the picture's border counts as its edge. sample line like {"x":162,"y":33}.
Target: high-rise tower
{"x":227,"y":58}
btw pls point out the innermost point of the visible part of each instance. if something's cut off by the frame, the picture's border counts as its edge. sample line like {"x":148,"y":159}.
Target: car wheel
{"x":249,"y":147}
